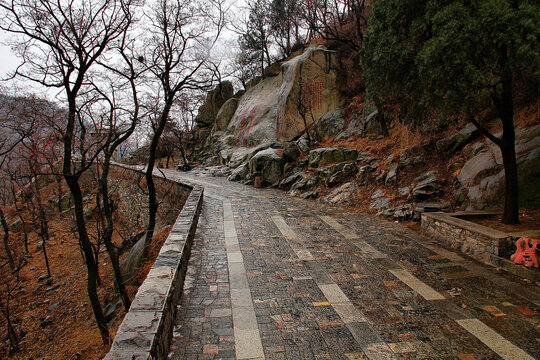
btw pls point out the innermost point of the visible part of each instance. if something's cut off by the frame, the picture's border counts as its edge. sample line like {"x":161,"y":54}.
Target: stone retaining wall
{"x":482,"y":243}
{"x":146,"y":330}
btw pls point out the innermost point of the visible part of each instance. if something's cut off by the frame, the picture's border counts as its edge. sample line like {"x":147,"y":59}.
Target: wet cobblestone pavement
{"x":276,"y":277}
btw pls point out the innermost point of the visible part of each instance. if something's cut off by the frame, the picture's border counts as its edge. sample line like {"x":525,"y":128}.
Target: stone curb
{"x":489,"y":246}
{"x":146,"y":331}
{"x":482,"y":243}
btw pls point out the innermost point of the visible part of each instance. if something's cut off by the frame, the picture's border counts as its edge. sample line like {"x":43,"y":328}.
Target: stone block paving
{"x":328,"y":283}
{"x":204,"y":326}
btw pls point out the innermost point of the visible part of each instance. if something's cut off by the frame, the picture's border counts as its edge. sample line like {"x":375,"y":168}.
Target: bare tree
{"x":9,"y":282}
{"x":22,"y":168}
{"x":121,"y":115}
{"x":340,"y":20}
{"x":255,"y":37}
{"x":304,"y":101}
{"x":5,"y":240}
{"x":180,"y":132}
{"x":285,"y":23}
{"x":19,"y":209}
{"x":182,"y":35}
{"x":59,"y":43}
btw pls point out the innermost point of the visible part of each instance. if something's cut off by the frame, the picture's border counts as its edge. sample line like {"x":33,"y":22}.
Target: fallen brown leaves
{"x":55,"y":314}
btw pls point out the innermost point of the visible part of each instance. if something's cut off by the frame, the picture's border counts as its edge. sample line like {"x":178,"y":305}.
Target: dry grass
{"x":72,"y":333}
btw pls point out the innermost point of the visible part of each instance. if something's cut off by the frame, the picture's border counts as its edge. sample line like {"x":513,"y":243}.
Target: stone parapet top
{"x":451,"y":218}
{"x":146,"y":330}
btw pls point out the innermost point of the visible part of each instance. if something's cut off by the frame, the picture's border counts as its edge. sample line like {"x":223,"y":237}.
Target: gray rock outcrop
{"x":132,"y":260}
{"x":482,"y":176}
{"x":458,"y":141}
{"x":378,"y":200}
{"x":268,"y":165}
{"x":225,"y":114}
{"x":326,"y":156}
{"x":268,"y":111}
{"x":328,"y":125}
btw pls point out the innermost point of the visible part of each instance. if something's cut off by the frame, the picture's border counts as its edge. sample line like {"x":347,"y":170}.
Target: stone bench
{"x":480,"y":242}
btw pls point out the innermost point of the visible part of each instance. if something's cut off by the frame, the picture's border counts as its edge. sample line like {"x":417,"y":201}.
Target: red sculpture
{"x":527,"y":253}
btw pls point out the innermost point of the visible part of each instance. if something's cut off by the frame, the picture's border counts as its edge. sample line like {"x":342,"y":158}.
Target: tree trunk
{"x":90,"y":261}
{"x":382,"y":120}
{"x":19,"y":214}
{"x":44,"y":233}
{"x":13,"y":338}
{"x":43,"y":226}
{"x":505,"y":106}
{"x":24,"y":229}
{"x":183,"y":154}
{"x":59,"y":193}
{"x":12,"y":334}
{"x":108,"y":232}
{"x":511,"y":186}
{"x":6,"y":240}
{"x":511,"y":191}
{"x":152,"y":201}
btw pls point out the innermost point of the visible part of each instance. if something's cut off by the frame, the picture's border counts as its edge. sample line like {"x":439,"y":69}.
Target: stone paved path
{"x":274,"y":277}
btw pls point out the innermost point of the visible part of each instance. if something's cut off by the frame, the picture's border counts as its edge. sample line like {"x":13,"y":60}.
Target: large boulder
{"x":243,"y":155}
{"x":132,"y":260}
{"x":326,"y":156}
{"x":413,"y":157}
{"x":225,"y":114}
{"x":482,"y":177}
{"x":267,"y":164}
{"x":483,"y":164}
{"x":268,"y":111}
{"x":458,"y":141}
{"x":239,"y":173}
{"x":213,"y":103}
{"x":328,"y":125}
{"x":344,"y":194}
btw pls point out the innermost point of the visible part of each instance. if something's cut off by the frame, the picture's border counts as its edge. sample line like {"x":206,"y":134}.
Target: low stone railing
{"x":480,"y":242}
{"x":145,"y":332}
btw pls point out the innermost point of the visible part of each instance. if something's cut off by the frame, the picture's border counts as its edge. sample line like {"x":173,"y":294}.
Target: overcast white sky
{"x":7,"y":59}
{"x":9,"y":62}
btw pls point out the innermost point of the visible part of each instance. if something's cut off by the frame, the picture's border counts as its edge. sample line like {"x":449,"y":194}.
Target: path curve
{"x":276,"y":277}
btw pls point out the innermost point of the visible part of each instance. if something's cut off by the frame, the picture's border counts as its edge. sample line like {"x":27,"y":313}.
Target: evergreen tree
{"x":255,"y":40}
{"x":459,"y":56}
{"x":285,"y":24}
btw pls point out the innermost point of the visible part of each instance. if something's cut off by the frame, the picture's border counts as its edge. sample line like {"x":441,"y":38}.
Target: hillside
{"x":52,"y":315}
{"x":390,"y":108}
{"x":259,"y":137}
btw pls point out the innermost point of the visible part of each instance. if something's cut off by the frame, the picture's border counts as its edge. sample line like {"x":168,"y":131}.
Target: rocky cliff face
{"x":482,"y":176}
{"x":260,"y":138}
{"x":209,"y":111}
{"x":280,"y":107}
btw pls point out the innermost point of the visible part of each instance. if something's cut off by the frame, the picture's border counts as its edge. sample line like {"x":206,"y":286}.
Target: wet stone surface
{"x":291,"y":257}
